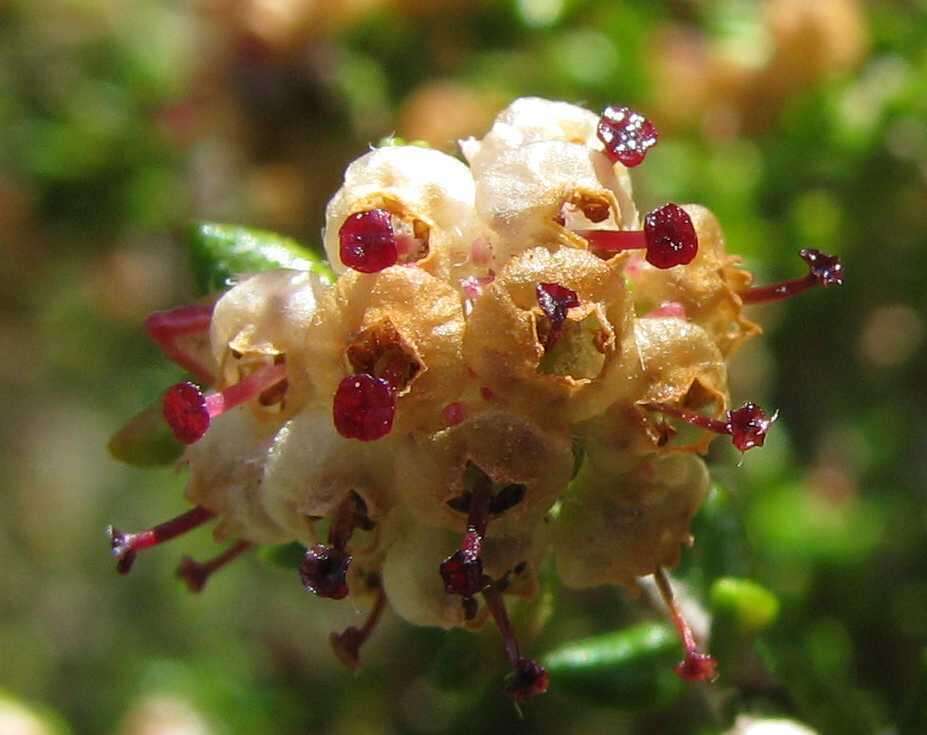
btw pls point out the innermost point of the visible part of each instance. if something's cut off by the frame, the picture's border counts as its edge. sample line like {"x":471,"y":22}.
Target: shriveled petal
{"x":400,"y":315}
{"x":614,"y":528}
{"x":707,"y":288}
{"x":416,"y":185}
{"x":431,"y":469}
{"x":227,"y":476}
{"x":580,"y":375}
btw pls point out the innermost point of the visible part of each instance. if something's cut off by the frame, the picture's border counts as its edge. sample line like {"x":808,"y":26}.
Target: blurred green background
{"x":799,"y":123}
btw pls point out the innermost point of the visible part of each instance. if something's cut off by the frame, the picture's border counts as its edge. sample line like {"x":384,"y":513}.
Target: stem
{"x":244,"y":390}
{"x":196,"y":574}
{"x":614,"y":241}
{"x":126,"y":545}
{"x":500,"y":614}
{"x":778,"y":291}
{"x":691,"y":417}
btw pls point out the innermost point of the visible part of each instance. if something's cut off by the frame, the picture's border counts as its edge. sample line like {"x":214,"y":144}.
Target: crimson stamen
{"x":347,"y":644}
{"x":696,"y":666}
{"x":627,"y":135}
{"x":462,"y":571}
{"x":528,"y":678}
{"x":189,"y":412}
{"x":364,"y":407}
{"x":823,"y":270}
{"x":166,"y":327}
{"x":126,"y":546}
{"x":367,"y":241}
{"x":196,"y":574}
{"x":669,"y":238}
{"x":747,"y":426}
{"x":324,"y":568}
{"x":555,"y":301}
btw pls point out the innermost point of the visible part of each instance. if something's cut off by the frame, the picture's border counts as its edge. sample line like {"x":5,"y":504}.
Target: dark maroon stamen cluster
{"x":696,"y":666}
{"x":627,"y":135}
{"x":823,"y":270}
{"x":462,"y":571}
{"x":364,"y":407}
{"x":669,"y":238}
{"x":528,"y":679}
{"x":555,"y":301}
{"x":196,"y":574}
{"x":747,"y":426}
{"x":367,"y":241}
{"x":126,"y":546}
{"x":324,"y":569}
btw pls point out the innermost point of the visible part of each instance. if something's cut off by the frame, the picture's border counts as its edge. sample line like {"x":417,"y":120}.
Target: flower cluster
{"x":508,"y":365}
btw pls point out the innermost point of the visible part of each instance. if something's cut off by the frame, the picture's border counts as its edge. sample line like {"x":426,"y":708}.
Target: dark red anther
{"x":367,"y":241}
{"x":696,"y":666}
{"x":671,"y":237}
{"x":627,"y":135}
{"x":126,"y":546}
{"x":527,"y":680}
{"x":823,"y":270}
{"x":462,"y":571}
{"x":347,"y":644}
{"x":324,"y":571}
{"x":555,"y":301}
{"x":169,"y":328}
{"x":364,"y":407}
{"x":747,"y":426}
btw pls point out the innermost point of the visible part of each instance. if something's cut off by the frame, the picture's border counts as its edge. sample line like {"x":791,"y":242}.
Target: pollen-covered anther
{"x":747,"y":426}
{"x":823,"y":270}
{"x":367,"y":241}
{"x":669,"y":238}
{"x":555,"y":301}
{"x":196,"y":574}
{"x":347,"y":643}
{"x":695,"y":666}
{"x":189,"y":412}
{"x":627,"y":135}
{"x":126,"y":546}
{"x":364,"y":407}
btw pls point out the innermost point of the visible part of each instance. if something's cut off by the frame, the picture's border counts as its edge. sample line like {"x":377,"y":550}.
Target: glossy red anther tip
{"x":462,"y":571}
{"x":671,"y":237}
{"x":185,"y":411}
{"x":324,"y":571}
{"x":627,"y":135}
{"x":748,"y":426}
{"x":364,"y":407}
{"x":697,"y":666}
{"x":826,"y":269}
{"x":527,"y":680}
{"x":367,"y":241}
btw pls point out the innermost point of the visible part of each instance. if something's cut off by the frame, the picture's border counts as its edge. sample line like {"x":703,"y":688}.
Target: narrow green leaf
{"x":628,"y":669}
{"x":221,"y":252}
{"x":146,"y":440}
{"x":749,"y":606}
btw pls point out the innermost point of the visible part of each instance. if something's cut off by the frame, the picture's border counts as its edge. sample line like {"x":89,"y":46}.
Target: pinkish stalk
{"x":347,"y":644}
{"x":127,"y":545}
{"x":609,"y":242}
{"x":166,"y":327}
{"x":696,"y":666}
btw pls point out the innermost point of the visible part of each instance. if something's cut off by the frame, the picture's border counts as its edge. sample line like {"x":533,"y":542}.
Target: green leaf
{"x":221,"y":252}
{"x":287,"y":556}
{"x":628,"y":669}
{"x":146,"y":440}
{"x":744,"y":603}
